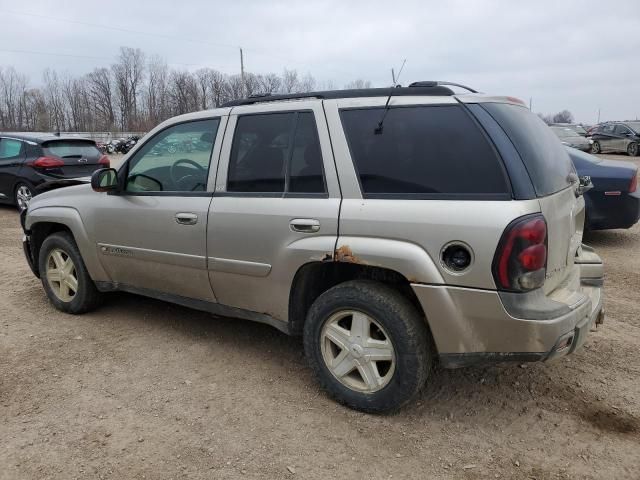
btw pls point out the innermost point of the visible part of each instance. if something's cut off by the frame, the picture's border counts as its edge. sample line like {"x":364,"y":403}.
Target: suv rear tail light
{"x":634,"y":182}
{"x":520,"y":263}
{"x":47,"y":162}
{"x":104,"y":161}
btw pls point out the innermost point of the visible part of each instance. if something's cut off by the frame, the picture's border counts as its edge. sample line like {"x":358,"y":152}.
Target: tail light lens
{"x":104,"y":161}
{"x":634,"y":182}
{"x":47,"y":162}
{"x":520,"y":263}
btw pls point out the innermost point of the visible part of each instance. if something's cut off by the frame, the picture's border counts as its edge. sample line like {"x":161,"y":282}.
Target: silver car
{"x":390,"y":228}
{"x":570,"y":138}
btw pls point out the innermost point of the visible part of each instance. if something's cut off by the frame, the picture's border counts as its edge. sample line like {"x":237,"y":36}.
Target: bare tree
{"x":55,"y":100}
{"x":128,"y":75}
{"x":358,"y":84}
{"x":565,"y":116}
{"x":289,"y":81}
{"x":133,"y":94}
{"x":99,"y":86}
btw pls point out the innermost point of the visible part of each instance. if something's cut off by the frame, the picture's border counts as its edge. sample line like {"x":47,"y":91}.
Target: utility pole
{"x":598,"y":115}
{"x":244,"y":85}
{"x":393,"y":76}
{"x":530,"y":102}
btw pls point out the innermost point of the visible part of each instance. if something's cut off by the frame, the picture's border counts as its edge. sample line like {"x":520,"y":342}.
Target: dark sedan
{"x":613,"y":202}
{"x":30,"y":159}
{"x":616,"y":137}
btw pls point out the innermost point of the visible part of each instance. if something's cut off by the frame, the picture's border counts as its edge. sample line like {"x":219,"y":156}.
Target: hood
{"x":60,"y":183}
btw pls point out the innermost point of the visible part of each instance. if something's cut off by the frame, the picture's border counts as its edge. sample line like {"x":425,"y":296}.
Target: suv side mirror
{"x":104,"y":180}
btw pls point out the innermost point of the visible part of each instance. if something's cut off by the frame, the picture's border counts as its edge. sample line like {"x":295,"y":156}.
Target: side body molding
{"x":70,"y":218}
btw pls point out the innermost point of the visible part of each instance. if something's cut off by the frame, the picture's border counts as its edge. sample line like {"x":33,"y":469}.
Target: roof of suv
{"x":38,"y":137}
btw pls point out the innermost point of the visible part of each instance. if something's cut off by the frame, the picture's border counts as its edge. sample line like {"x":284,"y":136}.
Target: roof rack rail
{"x":428,"y":89}
{"x":434,"y":83}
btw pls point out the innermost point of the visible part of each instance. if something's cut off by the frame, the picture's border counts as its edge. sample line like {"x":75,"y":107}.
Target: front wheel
{"x":368,"y":346}
{"x":632,"y":149}
{"x":23,"y":196}
{"x":64,"y":276}
{"x":595,"y":147}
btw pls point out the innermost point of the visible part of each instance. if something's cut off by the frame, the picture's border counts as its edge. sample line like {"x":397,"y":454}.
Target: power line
{"x":92,"y":57}
{"x":160,"y":35}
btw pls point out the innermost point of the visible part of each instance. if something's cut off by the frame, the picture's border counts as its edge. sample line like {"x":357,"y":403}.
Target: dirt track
{"x":143,"y":389}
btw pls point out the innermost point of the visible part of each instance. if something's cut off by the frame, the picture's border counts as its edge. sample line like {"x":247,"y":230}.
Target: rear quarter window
{"x":71,"y":148}
{"x":544,"y":157}
{"x":423,"y":152}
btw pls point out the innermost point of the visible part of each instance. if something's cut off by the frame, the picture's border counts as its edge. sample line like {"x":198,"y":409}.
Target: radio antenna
{"x":378,"y":129}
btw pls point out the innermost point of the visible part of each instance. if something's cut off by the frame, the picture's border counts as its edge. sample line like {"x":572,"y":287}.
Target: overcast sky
{"x":579,"y":55}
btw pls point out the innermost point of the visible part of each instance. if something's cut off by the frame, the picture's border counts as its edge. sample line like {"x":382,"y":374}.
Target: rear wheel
{"x":595,"y":147}
{"x":64,"y":276}
{"x":632,"y":149}
{"x":23,"y":196}
{"x":368,"y":346}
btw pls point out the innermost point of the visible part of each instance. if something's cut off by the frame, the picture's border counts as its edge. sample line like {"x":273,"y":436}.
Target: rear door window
{"x":276,"y":153}
{"x":545,"y":159}
{"x":10,"y":148}
{"x":423,"y":152}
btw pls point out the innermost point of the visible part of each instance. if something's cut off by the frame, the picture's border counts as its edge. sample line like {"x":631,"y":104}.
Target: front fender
{"x":70,"y":218}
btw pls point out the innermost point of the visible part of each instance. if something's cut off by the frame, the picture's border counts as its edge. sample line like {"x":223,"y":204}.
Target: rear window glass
{"x":545,"y":158}
{"x":423,"y":152}
{"x":70,"y":149}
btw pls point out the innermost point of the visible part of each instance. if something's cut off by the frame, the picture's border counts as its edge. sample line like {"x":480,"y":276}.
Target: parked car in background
{"x":570,"y":138}
{"x":335,"y":218}
{"x":614,"y":201}
{"x":613,"y":137}
{"x":29,"y":160}
{"x":579,"y":129}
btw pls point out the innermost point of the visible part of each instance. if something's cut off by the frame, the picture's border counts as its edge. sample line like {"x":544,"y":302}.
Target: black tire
{"x":403,"y":324}
{"x":87,"y":297}
{"x":595,"y":147}
{"x":632,"y":149}
{"x":18,"y":194}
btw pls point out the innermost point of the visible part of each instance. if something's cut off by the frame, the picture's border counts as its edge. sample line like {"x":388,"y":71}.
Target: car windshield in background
{"x":544,"y":157}
{"x":70,"y":148}
{"x":635,"y":126}
{"x":564,"y":132}
{"x":580,"y":158}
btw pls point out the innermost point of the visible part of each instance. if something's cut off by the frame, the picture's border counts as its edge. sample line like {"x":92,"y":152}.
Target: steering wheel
{"x":177,"y":180}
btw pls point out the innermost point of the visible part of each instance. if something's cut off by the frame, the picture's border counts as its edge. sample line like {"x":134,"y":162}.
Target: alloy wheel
{"x":357,"y":351}
{"x":61,"y":275}
{"x":23,"y":197}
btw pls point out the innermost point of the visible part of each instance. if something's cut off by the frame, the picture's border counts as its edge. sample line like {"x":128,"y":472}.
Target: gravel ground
{"x":143,"y":389}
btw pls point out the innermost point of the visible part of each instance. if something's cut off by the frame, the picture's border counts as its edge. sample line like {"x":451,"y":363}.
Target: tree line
{"x":134,"y":94}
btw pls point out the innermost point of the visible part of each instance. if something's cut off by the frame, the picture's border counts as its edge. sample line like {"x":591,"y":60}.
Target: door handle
{"x":186,"y":218}
{"x":304,"y":225}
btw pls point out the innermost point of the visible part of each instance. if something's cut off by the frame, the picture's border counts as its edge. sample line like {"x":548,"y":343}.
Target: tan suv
{"x":391,"y":228}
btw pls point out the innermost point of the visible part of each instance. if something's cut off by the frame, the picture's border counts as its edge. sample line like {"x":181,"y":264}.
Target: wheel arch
{"x":42,"y":222}
{"x":313,"y":279}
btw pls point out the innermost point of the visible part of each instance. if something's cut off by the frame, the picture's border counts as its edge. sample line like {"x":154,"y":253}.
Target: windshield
{"x":635,"y":126}
{"x":580,"y":158}
{"x":563,"y":132}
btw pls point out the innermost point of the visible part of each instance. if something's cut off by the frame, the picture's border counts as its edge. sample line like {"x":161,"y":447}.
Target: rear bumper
{"x":472,"y":326}
{"x":608,"y":212}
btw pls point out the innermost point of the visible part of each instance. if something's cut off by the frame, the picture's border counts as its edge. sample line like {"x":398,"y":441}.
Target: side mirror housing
{"x":104,"y":180}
